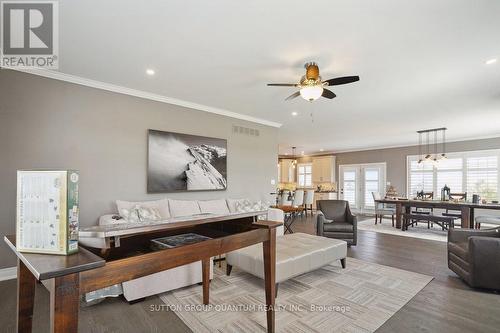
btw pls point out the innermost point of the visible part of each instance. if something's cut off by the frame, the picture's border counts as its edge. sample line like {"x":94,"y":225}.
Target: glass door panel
{"x":358,"y":181}
{"x":371,"y":184}
{"x":349,"y":186}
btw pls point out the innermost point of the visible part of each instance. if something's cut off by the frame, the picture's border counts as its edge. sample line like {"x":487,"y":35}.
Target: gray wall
{"x":46,"y":123}
{"x":396,"y":158}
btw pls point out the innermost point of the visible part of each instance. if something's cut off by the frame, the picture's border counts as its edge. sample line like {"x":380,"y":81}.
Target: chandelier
{"x":428,"y":143}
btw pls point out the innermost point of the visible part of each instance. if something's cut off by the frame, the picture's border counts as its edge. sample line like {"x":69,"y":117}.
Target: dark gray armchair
{"x":335,"y":220}
{"x":474,"y":255}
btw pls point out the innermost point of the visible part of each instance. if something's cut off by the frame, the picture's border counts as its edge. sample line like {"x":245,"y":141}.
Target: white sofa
{"x":168,"y":208}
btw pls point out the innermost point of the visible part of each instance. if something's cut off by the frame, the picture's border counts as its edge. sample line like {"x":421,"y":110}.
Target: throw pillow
{"x":161,"y":205}
{"x":180,"y":208}
{"x":243,"y":206}
{"x":130,"y":215}
{"x":214,"y":206}
{"x":231,"y":204}
{"x":148,"y":214}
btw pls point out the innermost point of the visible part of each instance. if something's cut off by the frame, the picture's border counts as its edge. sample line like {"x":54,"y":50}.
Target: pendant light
{"x":420,"y":157}
{"x":435,"y":159}
{"x":443,"y":142}
{"x":431,"y":153}
{"x":428,"y":155}
{"x":294,"y":161}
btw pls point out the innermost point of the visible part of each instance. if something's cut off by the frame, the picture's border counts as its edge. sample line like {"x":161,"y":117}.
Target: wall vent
{"x":245,"y":130}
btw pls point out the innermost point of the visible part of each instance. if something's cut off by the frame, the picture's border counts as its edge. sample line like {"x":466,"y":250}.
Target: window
{"x":305,"y":175}
{"x":420,"y":177}
{"x":482,"y":176}
{"x":474,"y":172}
{"x":449,"y":172}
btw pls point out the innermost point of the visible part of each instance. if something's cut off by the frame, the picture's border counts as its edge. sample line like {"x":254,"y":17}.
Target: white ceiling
{"x":421,"y":63}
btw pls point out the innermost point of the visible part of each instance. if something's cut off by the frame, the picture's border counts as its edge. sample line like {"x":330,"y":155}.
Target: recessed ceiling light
{"x":294,"y":113}
{"x":491,"y":61}
{"x":150,"y":71}
{"x":321,"y":149}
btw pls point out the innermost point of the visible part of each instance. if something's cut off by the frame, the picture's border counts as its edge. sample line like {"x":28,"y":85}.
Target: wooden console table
{"x":467,"y":209}
{"x":130,"y":256}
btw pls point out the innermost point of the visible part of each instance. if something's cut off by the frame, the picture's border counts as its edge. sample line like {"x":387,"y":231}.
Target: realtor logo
{"x":29,"y":34}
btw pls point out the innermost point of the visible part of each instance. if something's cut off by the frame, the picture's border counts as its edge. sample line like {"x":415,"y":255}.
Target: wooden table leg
{"x":269,"y":248}
{"x":290,"y":222}
{"x":404,"y":225}
{"x":205,"y":269}
{"x":64,"y":303}
{"x":471,"y":219}
{"x":286,"y":223}
{"x":398,"y":215}
{"x":25,"y":297}
{"x":466,"y":217}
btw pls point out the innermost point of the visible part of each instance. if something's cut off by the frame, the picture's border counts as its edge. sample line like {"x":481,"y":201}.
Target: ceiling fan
{"x":311,"y":85}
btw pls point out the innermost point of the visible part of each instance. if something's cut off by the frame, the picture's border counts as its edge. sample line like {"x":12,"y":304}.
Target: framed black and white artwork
{"x":184,"y":162}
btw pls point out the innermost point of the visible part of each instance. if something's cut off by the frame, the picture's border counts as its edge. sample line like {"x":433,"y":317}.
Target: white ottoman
{"x":296,"y":254}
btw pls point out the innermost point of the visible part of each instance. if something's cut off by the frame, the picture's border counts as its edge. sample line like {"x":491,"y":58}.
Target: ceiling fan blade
{"x":342,"y":80}
{"x":282,"y":84}
{"x":328,"y":94}
{"x":292,"y":96}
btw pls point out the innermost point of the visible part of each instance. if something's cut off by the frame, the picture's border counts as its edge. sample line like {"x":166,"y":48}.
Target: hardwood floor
{"x":444,"y":305}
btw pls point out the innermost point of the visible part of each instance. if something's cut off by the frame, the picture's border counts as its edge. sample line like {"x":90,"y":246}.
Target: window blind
{"x":482,"y":176}
{"x":474,"y":172}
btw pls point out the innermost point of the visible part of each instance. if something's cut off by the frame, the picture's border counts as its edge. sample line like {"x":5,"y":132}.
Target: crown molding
{"x":409,"y":145}
{"x":403,"y":145}
{"x":143,"y":94}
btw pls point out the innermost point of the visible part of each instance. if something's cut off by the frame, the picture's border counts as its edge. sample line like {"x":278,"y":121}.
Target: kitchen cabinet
{"x":324,"y":196}
{"x":287,"y":171}
{"x":323,"y":169}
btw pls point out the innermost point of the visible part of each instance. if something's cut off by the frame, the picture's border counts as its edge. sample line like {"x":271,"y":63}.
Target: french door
{"x":358,"y":181}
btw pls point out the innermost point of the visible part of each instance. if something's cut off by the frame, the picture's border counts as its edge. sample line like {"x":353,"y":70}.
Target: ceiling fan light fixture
{"x":311,"y":93}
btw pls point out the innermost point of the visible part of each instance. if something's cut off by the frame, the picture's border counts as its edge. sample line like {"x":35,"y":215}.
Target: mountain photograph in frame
{"x":185,"y":162}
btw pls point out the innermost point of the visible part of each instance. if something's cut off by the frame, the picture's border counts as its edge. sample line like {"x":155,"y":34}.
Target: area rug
{"x":359,"y":298}
{"x":419,"y":231}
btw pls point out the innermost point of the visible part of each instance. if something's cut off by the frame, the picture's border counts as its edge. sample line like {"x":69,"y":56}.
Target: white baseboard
{"x":8,"y":273}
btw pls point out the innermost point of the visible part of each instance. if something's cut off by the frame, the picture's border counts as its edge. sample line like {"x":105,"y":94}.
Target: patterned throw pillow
{"x":243,"y":206}
{"x":130,"y":215}
{"x":148,"y":214}
{"x":246,"y":206}
{"x":140,"y":214}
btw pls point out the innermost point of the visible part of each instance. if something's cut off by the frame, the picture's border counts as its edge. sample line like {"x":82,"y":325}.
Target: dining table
{"x":467,"y":209}
{"x":290,"y":213}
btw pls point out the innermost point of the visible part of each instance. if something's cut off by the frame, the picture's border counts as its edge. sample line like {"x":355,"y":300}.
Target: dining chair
{"x":298,"y":199}
{"x":284,"y":200}
{"x":381,"y":209}
{"x":489,"y":219}
{"x":308,"y":201}
{"x":456,"y":213}
{"x":425,"y":211}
